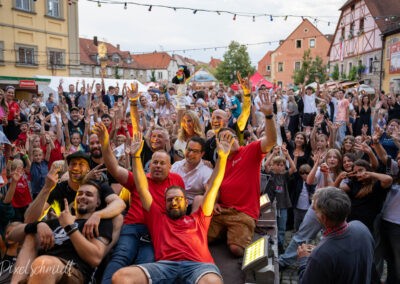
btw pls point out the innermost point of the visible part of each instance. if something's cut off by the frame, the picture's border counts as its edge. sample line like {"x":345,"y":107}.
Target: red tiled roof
{"x":88,"y":52}
{"x":214,"y":62}
{"x":155,"y":60}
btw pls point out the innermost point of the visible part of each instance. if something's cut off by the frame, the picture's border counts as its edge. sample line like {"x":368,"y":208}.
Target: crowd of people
{"x":128,"y":187}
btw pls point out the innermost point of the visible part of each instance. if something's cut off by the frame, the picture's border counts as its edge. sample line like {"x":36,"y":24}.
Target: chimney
{"x":118,"y":46}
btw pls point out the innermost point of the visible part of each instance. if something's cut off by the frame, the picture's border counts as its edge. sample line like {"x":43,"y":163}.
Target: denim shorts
{"x":171,"y":272}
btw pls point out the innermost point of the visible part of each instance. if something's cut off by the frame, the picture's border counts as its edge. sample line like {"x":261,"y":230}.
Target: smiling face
{"x":347,"y":164}
{"x":187,"y":124}
{"x":299,"y":140}
{"x":193,"y":153}
{"x":332,"y":160}
{"x":158,"y":140}
{"x":176,"y":203}
{"x":160,"y":165}
{"x":218,"y":120}
{"x":87,"y":199}
{"x":77,"y":169}
{"x":95,"y":146}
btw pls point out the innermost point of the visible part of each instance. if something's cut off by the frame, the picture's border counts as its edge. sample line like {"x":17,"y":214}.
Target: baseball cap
{"x":78,"y":155}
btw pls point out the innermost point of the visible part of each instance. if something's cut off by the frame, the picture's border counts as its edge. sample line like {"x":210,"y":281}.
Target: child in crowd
{"x":277,"y":187}
{"x":38,"y":169}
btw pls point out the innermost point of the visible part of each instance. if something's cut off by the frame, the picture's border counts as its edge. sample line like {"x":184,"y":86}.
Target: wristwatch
{"x":69,"y":229}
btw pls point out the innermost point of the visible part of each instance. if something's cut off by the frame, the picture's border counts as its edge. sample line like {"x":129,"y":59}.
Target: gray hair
{"x":333,"y":203}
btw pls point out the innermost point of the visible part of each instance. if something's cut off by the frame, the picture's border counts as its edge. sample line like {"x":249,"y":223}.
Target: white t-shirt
{"x":309,"y":104}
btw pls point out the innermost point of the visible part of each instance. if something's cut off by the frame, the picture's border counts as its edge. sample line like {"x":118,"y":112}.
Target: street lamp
{"x":377,"y":70}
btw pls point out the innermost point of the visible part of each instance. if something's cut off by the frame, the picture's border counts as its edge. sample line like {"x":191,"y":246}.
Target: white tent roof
{"x":55,"y":82}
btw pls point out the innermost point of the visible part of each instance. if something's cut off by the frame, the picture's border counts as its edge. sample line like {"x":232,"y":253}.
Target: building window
{"x":298,"y":43}
{"x":342,"y":33}
{"x":26,"y":55}
{"x":341,"y":68}
{"x":109,"y":71}
{"x":351,"y":32}
{"x":115,"y":58}
{"x":120,"y":72}
{"x":26,"y":5}
{"x":280,"y":84}
{"x":159,"y":75}
{"x":54,"y":8}
{"x":56,"y":59}
{"x":312,"y":42}
{"x":1,"y":52}
{"x":297,"y":65}
{"x":280,"y":67}
{"x":370,"y":65}
{"x":87,"y":68}
{"x":350,"y":66}
{"x":97,"y":70}
{"x":361,"y":29}
{"x":268,"y":67}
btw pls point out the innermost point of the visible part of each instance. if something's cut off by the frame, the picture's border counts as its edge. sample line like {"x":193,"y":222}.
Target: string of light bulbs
{"x":234,"y":14}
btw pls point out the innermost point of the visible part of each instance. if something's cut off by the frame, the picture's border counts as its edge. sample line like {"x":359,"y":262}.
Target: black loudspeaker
{"x":95,"y":41}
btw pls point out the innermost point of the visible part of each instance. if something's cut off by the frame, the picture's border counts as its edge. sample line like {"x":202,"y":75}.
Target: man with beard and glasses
{"x":67,"y":256}
{"x":180,"y":241}
{"x":53,"y":194}
{"x":134,"y":244}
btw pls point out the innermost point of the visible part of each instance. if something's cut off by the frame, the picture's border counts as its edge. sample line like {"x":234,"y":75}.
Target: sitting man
{"x":180,"y":241}
{"x":238,"y":205}
{"x":67,"y":256}
{"x":53,"y":193}
{"x":194,"y":172}
{"x":345,"y":255}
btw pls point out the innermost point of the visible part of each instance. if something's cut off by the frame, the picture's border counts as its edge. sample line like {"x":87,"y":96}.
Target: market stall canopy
{"x":201,"y":76}
{"x":257,"y":80}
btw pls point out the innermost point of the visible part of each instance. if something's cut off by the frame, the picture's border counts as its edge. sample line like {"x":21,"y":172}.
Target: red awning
{"x":257,"y":80}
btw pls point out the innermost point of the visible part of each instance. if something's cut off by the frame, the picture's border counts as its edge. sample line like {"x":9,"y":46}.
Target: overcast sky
{"x":138,"y":30}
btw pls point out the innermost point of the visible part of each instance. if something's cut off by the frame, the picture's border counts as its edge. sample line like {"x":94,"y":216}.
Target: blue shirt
{"x":39,"y":172}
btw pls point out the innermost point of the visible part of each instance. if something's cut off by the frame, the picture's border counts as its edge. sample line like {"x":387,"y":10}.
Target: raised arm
{"x":39,"y":204}
{"x":224,"y":143}
{"x":246,"y":107}
{"x":269,"y":139}
{"x":119,"y":173}
{"x":141,"y":183}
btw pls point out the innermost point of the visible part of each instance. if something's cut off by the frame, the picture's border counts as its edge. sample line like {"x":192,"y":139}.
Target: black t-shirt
{"x":64,"y":248}
{"x":80,"y":127}
{"x":365,"y":209}
{"x":62,"y":190}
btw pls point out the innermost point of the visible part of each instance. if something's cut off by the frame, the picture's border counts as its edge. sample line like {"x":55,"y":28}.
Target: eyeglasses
{"x":177,"y":199}
{"x":196,"y":151}
{"x":304,"y":173}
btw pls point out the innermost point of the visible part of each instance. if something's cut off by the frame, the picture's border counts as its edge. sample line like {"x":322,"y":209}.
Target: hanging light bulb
{"x":270,"y":18}
{"x":195,"y":11}
{"x":98,"y":4}
{"x":286,"y":18}
{"x":218,"y":13}
{"x":125,"y":6}
{"x":234,"y":17}
{"x":329,"y":23}
{"x":254,"y":18}
{"x":150,"y":8}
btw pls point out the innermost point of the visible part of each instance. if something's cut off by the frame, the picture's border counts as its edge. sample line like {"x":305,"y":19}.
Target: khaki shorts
{"x":238,"y":226}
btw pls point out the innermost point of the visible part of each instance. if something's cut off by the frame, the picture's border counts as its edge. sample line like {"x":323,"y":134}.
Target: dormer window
{"x":116,"y":58}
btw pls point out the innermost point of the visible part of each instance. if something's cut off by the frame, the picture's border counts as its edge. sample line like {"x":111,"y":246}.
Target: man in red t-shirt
{"x":180,"y":241}
{"x":238,"y":205}
{"x":134,"y":244}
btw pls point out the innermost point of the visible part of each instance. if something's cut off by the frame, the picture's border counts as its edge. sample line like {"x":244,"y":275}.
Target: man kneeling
{"x":65,"y":255}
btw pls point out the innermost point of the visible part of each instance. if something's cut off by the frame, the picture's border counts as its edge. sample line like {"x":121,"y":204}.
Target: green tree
{"x":335,"y":73}
{"x":353,"y":73}
{"x":153,"y":76}
{"x":311,"y":67}
{"x":236,"y":59}
{"x":116,"y":73}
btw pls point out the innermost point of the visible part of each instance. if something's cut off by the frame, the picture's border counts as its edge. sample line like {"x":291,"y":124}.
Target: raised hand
{"x":132,"y":92}
{"x":266,"y":105}
{"x":224,"y":144}
{"x":244,"y":83}
{"x":137,"y":144}
{"x":95,"y":173}
{"x":52,"y":177}
{"x":17,"y":174}
{"x":101,"y":130}
{"x":66,"y":217}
